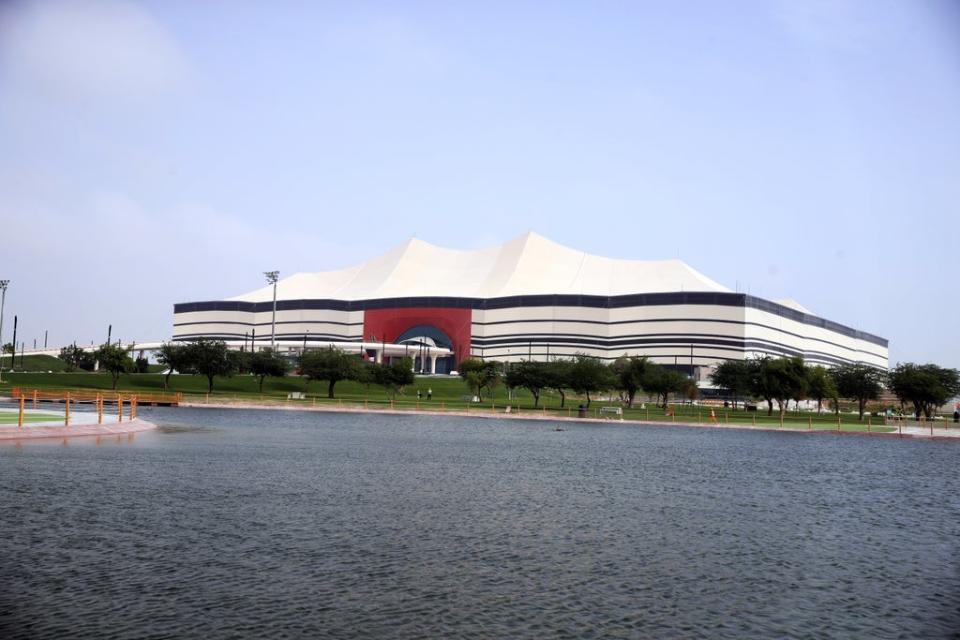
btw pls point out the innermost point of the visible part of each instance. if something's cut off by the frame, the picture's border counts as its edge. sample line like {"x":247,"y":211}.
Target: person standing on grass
{"x":418,"y":394}
{"x":430,"y":393}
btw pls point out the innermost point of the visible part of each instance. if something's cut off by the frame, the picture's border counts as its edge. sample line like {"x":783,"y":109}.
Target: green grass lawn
{"x":449,"y":393}
{"x":10,"y":417}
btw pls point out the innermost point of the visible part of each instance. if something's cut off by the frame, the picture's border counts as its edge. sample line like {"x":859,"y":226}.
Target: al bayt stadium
{"x":529,"y":298}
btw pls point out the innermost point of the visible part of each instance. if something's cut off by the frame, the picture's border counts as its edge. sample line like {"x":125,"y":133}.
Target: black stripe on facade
{"x":266,"y":324}
{"x":772,"y":349}
{"x":548,"y":300}
{"x":558,"y":337}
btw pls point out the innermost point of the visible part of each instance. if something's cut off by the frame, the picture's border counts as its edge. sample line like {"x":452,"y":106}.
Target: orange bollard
{"x":119,"y":408}
{"x":99,"y":409}
{"x":20,"y":418}
{"x":34,"y":398}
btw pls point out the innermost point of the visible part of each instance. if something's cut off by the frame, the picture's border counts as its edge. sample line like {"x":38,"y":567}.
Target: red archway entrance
{"x":385,"y":325}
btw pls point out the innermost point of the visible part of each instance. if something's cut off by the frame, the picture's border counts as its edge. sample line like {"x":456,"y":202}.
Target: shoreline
{"x":916,"y":433}
{"x":43,"y":431}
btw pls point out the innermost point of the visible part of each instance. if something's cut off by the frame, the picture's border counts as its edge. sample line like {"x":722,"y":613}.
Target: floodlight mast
{"x":3,"y":300}
{"x":272,"y":277}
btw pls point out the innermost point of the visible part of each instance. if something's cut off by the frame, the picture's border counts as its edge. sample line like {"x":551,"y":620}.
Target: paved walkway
{"x":82,"y":423}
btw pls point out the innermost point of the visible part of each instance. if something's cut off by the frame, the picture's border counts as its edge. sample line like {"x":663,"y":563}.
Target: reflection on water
{"x":252,"y":523}
{"x":184,"y":428}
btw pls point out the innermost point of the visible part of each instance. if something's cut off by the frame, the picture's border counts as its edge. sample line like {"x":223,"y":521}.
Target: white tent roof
{"x":527,"y":265}
{"x":793,"y":304}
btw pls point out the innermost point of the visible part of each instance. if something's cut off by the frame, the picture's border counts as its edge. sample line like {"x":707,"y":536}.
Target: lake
{"x":230,"y":523}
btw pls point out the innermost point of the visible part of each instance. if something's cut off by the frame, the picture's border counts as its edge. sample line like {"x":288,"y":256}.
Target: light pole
{"x":3,"y":300}
{"x":272,"y":277}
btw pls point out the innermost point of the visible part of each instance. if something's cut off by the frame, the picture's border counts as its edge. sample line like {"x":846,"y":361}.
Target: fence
{"x":91,"y":396}
{"x":98,"y":399}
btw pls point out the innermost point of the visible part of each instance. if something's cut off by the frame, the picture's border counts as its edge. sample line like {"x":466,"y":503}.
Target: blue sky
{"x":160,"y":152}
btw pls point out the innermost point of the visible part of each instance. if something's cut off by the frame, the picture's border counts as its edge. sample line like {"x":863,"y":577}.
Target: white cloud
{"x":89,"y":48}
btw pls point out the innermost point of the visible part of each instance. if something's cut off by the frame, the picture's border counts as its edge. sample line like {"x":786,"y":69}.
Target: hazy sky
{"x":161,"y":152}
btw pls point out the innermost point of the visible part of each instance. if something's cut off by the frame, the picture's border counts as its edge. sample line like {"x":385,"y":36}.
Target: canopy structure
{"x":529,"y":298}
{"x":527,"y":265}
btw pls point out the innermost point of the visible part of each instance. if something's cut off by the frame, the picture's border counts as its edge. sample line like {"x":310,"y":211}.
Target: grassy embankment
{"x":449,"y":394}
{"x":48,"y":364}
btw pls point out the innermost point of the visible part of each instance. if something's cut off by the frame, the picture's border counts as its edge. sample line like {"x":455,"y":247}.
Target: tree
{"x":393,"y":377}
{"x":114,"y":359}
{"x":9,"y":348}
{"x":820,"y":385}
{"x":530,"y":375}
{"x":690,"y":390}
{"x":210,"y":358}
{"x":858,"y":382}
{"x":332,"y":365}
{"x":732,"y":376}
{"x":630,"y":373}
{"x":925,"y":386}
{"x":174,"y":357}
{"x":557,"y":377}
{"x":784,"y":379}
{"x":763,"y":384}
{"x":589,"y":375}
{"x":77,"y":358}
{"x":479,"y":375}
{"x":662,"y":382}
{"x":267,"y":363}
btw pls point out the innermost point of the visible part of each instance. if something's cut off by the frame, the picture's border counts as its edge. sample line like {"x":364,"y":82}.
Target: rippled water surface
{"x":282,"y":524}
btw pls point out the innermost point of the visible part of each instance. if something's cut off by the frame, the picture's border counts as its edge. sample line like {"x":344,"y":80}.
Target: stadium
{"x":529,"y":298}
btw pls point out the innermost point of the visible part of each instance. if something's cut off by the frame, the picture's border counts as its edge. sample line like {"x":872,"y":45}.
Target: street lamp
{"x":272,"y":277}
{"x":3,"y":300}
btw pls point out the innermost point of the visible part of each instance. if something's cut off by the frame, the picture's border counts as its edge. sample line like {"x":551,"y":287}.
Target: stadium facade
{"x":529,"y":298}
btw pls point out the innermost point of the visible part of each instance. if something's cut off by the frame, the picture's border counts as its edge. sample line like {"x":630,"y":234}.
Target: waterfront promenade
{"x":81,"y":424}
